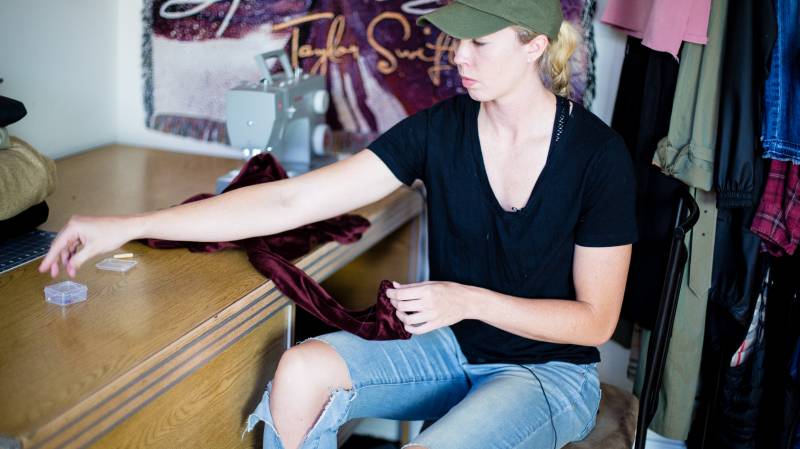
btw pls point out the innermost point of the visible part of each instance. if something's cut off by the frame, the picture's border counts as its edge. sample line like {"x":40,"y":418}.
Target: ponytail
{"x":554,"y":63}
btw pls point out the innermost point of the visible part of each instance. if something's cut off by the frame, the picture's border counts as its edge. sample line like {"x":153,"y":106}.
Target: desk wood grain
{"x":147,"y":342}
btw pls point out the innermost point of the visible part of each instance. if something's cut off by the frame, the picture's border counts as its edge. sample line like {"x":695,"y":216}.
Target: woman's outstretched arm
{"x":252,"y":211}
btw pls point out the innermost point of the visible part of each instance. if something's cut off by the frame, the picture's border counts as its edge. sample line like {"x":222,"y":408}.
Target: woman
{"x":530,"y":202}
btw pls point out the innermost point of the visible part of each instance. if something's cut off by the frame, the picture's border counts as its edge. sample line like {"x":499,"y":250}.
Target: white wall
{"x":610,"y":46}
{"x":59,"y":59}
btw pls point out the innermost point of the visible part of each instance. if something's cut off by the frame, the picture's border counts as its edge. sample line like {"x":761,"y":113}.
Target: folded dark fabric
{"x":271,"y":256}
{"x":11,"y":111}
{"x":25,"y":221}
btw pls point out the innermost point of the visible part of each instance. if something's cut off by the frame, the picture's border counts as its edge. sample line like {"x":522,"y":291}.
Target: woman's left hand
{"x":426,"y":306}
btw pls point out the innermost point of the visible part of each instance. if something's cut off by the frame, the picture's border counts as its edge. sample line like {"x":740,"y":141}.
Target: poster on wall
{"x":379,"y":65}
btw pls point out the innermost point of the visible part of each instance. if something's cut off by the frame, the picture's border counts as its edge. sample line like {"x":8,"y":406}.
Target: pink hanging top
{"x":661,"y":24}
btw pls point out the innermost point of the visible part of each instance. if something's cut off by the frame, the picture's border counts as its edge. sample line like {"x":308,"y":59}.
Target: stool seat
{"x":616,"y":421}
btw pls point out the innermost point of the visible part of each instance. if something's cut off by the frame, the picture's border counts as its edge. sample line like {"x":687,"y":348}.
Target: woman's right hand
{"x":83,"y":238}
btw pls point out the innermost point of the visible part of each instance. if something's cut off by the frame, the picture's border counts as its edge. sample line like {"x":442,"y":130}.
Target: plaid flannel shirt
{"x":777,"y":220}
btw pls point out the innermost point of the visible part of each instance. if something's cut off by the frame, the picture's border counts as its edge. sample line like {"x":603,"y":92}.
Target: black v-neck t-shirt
{"x":583,"y":196}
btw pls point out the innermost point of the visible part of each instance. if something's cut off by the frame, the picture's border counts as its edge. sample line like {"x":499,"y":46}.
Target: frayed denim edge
{"x":262,"y":411}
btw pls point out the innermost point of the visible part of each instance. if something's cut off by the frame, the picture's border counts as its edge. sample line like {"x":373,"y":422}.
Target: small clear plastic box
{"x":120,"y":265}
{"x":65,"y":293}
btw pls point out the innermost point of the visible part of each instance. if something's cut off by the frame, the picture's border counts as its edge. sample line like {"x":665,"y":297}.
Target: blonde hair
{"x":554,"y":63}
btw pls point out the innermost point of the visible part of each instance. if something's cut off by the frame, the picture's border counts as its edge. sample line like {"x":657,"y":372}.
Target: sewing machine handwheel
{"x":321,"y":139}
{"x":320,"y":101}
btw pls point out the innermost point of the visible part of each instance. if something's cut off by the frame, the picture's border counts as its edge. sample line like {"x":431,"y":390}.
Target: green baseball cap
{"x":468,"y":19}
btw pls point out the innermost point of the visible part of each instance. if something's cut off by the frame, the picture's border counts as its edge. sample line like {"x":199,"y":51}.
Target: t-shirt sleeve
{"x":402,"y":148}
{"x":608,"y":209}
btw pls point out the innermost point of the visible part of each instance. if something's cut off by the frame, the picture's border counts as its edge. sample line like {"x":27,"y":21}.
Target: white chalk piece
{"x":119,"y":265}
{"x":123,"y":256}
{"x":65,"y":293}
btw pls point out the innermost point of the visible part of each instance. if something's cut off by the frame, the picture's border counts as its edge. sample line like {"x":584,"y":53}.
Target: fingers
{"x":406,"y":293}
{"x":64,"y":257}
{"x":54,"y":253}
{"x":68,"y":252}
{"x":421,"y":329}
{"x":81,"y":239}
{"x":61,"y":249}
{"x":64,"y":250}
{"x":414,"y":284}
{"x":417,"y":305}
{"x":77,"y":259}
{"x":417,"y":323}
{"x":415,"y":318}
{"x":411,"y":305}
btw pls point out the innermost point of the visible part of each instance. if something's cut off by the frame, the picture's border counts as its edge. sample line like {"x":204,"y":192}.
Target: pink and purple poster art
{"x":378,"y":64}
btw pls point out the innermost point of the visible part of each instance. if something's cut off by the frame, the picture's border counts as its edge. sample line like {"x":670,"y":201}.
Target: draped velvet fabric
{"x":271,"y":256}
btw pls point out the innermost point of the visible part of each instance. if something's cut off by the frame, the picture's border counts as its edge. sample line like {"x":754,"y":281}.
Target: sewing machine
{"x":284,"y":113}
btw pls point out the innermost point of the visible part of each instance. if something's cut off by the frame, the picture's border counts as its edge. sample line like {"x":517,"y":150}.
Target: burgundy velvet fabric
{"x":271,"y":256}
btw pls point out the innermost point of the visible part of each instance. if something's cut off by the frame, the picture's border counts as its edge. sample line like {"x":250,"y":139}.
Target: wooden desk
{"x":176,"y":352}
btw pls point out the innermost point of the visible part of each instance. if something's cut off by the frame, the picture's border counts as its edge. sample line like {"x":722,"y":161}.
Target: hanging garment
{"x":641,"y":116}
{"x":777,"y":220}
{"x":687,"y":153}
{"x":271,"y":256}
{"x":728,"y":407}
{"x":794,"y":399}
{"x":729,"y":396}
{"x":780,"y":404}
{"x":780,"y":134}
{"x":735,"y":279}
{"x":634,"y":359}
{"x":749,"y":35}
{"x":736,"y":276}
{"x":755,"y":333}
{"x":738,"y":407}
{"x":661,"y":24}
{"x":728,"y":399}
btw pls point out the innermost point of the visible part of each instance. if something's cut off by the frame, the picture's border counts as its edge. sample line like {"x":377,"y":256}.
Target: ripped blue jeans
{"x":427,"y":377}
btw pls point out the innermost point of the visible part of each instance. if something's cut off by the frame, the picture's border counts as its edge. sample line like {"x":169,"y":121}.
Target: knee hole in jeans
{"x":314,"y":361}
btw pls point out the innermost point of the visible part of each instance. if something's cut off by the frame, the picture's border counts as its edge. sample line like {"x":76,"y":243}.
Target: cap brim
{"x":464,"y":22}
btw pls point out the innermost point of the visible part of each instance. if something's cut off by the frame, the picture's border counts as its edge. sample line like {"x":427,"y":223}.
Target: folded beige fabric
{"x":26,"y":178}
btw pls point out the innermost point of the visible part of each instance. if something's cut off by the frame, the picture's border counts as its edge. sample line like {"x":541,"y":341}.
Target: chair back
{"x":686,"y":217}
